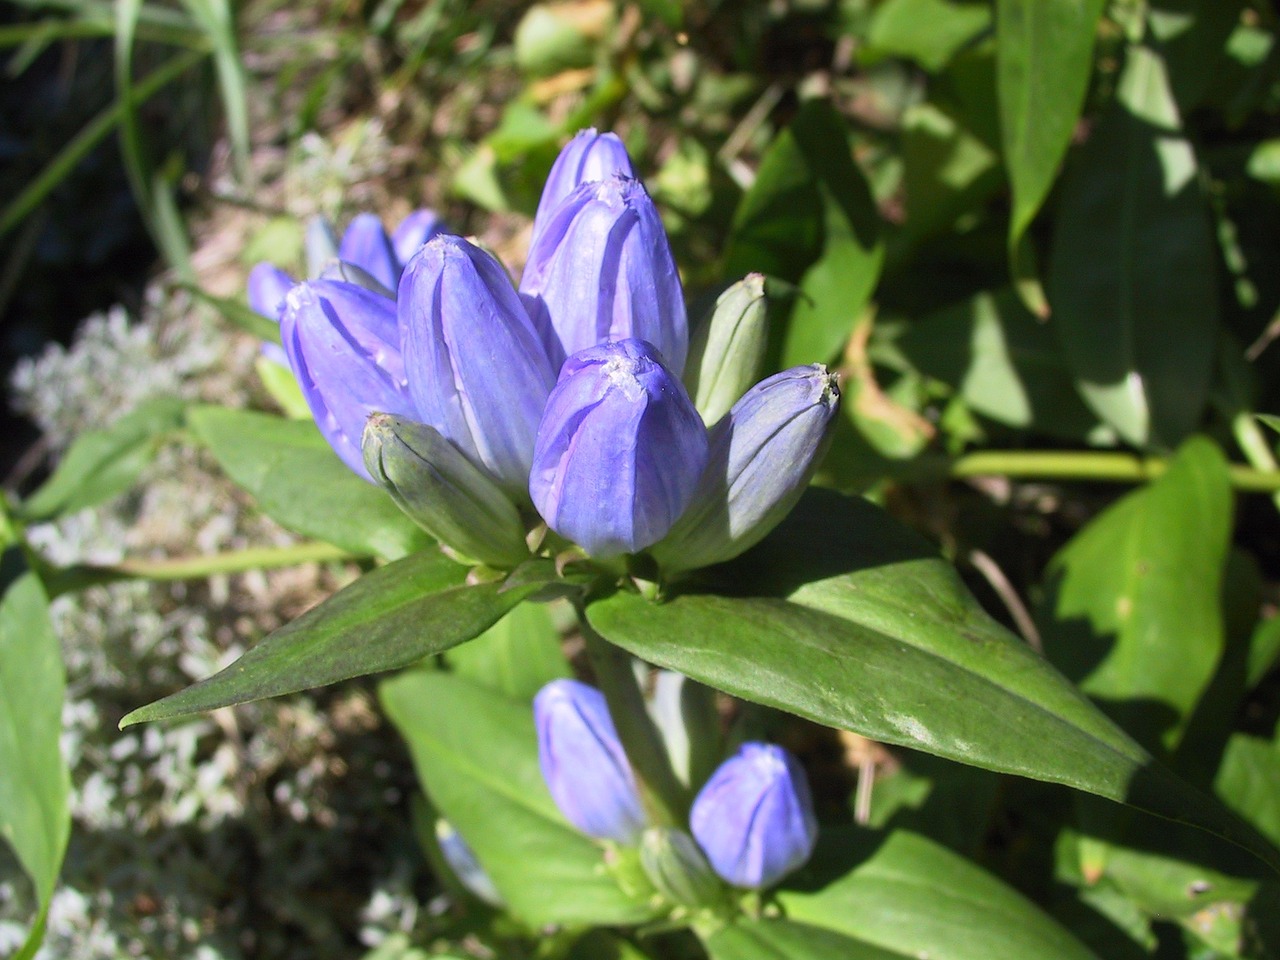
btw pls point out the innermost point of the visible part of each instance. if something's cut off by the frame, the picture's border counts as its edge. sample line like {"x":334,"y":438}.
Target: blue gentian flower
{"x":763,"y":453}
{"x":343,"y":346}
{"x":589,"y":156}
{"x":583,"y":762}
{"x":602,"y":270}
{"x":415,"y":231}
{"x":366,"y":244}
{"x":754,"y":818}
{"x":619,"y":451}
{"x":480,"y":375}
{"x":267,"y":287}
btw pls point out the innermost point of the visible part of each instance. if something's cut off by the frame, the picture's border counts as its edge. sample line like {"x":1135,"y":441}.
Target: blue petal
{"x":367,"y":245}
{"x":477,"y":370}
{"x":588,"y":156}
{"x":602,"y":270}
{"x":342,"y":344}
{"x":583,"y":763}
{"x":620,"y":450}
{"x":267,"y":287}
{"x":754,"y":818}
{"x":414,"y":231}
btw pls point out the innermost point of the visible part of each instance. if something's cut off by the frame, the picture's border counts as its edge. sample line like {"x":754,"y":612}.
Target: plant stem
{"x":67,"y":579}
{"x":1106,"y":467}
{"x":664,"y":797}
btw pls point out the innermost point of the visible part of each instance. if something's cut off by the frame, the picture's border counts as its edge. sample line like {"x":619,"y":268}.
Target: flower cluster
{"x":567,"y":395}
{"x":753,"y":819}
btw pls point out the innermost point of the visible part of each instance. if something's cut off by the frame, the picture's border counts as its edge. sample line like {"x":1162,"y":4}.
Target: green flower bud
{"x":678,"y":869}
{"x":442,"y":491}
{"x":728,"y":348}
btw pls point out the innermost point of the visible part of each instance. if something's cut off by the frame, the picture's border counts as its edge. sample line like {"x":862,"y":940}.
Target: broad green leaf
{"x":517,"y":656}
{"x":845,"y":618}
{"x":103,"y":463}
{"x":773,"y":939}
{"x":947,"y":170}
{"x":388,"y":619}
{"x":476,"y":754}
{"x":1044,"y":56}
{"x":916,"y":898}
{"x":34,"y":781}
{"x":1002,"y":361}
{"x":1134,"y":613}
{"x":930,"y":32}
{"x":1249,"y":782}
{"x":299,"y":482}
{"x":1131,"y":280}
{"x":835,"y":290}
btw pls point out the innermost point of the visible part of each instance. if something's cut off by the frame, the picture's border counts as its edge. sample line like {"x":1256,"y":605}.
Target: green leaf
{"x":388,"y":619}
{"x":517,"y":656}
{"x":476,"y":753}
{"x":930,"y":32}
{"x":834,"y":291}
{"x":947,"y":170}
{"x":670,"y":12}
{"x":914,"y":897}
{"x":1044,"y":56}
{"x":769,"y":939}
{"x":299,"y":482}
{"x":280,"y":382}
{"x":1131,"y":280}
{"x":1002,"y":361}
{"x":34,"y":816}
{"x":1249,"y":782}
{"x":103,"y":463}
{"x":1134,"y":613}
{"x":844,"y":617}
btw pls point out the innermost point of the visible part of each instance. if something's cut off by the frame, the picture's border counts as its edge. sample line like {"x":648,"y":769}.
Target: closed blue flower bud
{"x":754,"y":818}
{"x":267,"y":287}
{"x":763,"y":454}
{"x":583,"y":762}
{"x":414,"y":231}
{"x":320,"y":245}
{"x":366,"y":244}
{"x":588,"y":156}
{"x":620,"y":450}
{"x":602,"y":269}
{"x":462,"y":861}
{"x":477,"y":371}
{"x":343,"y":346}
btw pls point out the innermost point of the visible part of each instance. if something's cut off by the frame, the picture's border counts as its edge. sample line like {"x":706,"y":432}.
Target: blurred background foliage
{"x":1039,"y":287}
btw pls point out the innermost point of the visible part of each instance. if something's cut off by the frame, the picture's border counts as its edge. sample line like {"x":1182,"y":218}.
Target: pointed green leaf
{"x":846,"y":618}
{"x":916,"y":898}
{"x":773,"y":939}
{"x":103,"y":463}
{"x":390,"y":618}
{"x":476,"y":753}
{"x":1044,"y":56}
{"x":1131,"y":278}
{"x":34,"y":781}
{"x":299,"y":482}
{"x":1134,"y":615}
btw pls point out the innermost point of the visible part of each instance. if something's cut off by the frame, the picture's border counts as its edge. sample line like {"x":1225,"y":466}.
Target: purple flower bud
{"x":620,"y":450}
{"x":602,"y":270}
{"x":414,"y":231}
{"x":478,"y":373}
{"x":343,"y":345}
{"x":367,"y":245}
{"x":763,"y":453}
{"x":588,"y":156}
{"x":267,"y":287}
{"x":754,"y":818}
{"x":584,"y":764}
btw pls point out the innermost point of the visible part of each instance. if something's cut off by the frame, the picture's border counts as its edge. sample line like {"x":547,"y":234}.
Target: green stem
{"x":1107,"y":467}
{"x":1254,"y":444}
{"x":664,"y":797}
{"x":65,"y":580}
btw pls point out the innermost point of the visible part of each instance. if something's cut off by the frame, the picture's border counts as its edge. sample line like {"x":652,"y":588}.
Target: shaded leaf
{"x":1131,"y":280}
{"x":769,"y":939}
{"x":517,"y":656}
{"x":390,"y":618}
{"x":930,"y":32}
